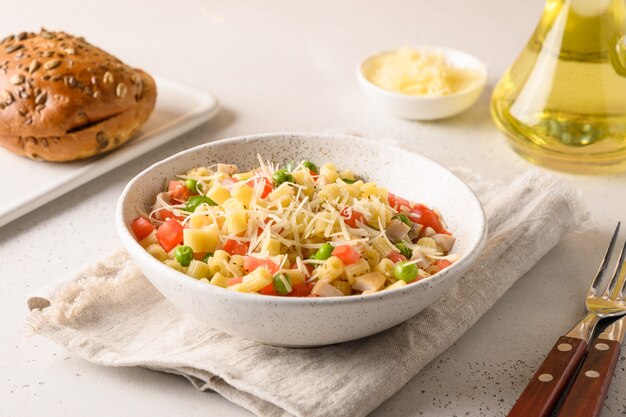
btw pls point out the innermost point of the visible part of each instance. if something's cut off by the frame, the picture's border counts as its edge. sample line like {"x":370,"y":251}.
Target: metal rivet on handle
{"x":564,"y":347}
{"x":545,"y":377}
{"x":602,"y":346}
{"x":592,"y":374}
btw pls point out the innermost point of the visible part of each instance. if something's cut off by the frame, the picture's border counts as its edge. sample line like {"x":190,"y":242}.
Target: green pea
{"x":281,"y":176}
{"x":207,"y":256}
{"x":404,"y":249}
{"x":183,"y":255}
{"x":324,"y":252}
{"x":192,"y":185}
{"x":405,"y":272}
{"x":194,"y":201}
{"x":311,"y":166}
{"x":404,"y":219}
{"x":347,"y":181}
{"x":282,"y":283}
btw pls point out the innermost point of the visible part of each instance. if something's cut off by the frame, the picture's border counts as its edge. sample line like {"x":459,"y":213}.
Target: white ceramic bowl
{"x":424,"y":107}
{"x":291,"y":321}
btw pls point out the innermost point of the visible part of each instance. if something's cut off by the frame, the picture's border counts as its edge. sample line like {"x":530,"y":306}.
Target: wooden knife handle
{"x":586,"y":396}
{"x":544,"y":390}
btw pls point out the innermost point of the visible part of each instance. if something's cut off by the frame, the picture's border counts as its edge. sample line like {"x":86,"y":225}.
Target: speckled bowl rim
{"x":463,"y":263}
{"x":480,"y":66}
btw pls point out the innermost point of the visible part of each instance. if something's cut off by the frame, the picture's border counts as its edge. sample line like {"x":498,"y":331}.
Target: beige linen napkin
{"x":111,"y":315}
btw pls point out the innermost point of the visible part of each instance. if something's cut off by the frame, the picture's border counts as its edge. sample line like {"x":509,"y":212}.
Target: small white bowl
{"x":425,"y":107}
{"x":289,"y":321}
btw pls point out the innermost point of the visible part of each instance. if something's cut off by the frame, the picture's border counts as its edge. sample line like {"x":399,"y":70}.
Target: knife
{"x":589,"y":389}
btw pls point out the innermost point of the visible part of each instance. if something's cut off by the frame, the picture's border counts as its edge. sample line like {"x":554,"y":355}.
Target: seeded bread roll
{"x":62,"y":99}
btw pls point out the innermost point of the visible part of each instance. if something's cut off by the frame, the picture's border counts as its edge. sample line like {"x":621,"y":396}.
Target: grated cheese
{"x":418,"y":73}
{"x":300,"y":216}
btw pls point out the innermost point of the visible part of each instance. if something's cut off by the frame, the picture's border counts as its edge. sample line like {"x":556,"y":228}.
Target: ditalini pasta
{"x":299,"y":230}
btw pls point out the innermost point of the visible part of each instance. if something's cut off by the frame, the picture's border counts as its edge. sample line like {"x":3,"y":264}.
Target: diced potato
{"x":324,"y":289}
{"x":242,"y":193}
{"x":283,"y":194}
{"x":218,"y":194}
{"x":296,"y":276}
{"x":354,"y":190}
{"x":373,"y":281}
{"x":236,"y":216}
{"x":329,"y":192}
{"x":342,"y":286}
{"x":242,"y":176}
{"x":272,"y":246}
{"x":427,"y":242}
{"x":197,"y":220}
{"x":370,"y":189}
{"x":197,"y":269}
{"x":204,"y":239}
{"x":303,"y":177}
{"x":399,"y":283}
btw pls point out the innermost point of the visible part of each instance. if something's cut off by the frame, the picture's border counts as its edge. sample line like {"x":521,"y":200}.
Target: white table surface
{"x":278,"y":66}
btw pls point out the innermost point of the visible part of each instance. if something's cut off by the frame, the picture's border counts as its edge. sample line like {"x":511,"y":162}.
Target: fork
{"x":549,"y":381}
{"x":588,"y":391}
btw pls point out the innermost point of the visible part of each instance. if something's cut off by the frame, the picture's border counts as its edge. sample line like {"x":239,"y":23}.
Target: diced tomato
{"x":233,"y":281}
{"x":229,"y":182}
{"x":251,"y":263}
{"x":427,"y":218}
{"x":443,"y":263}
{"x":170,"y":234}
{"x":234,"y":247}
{"x":314,"y":174}
{"x":351,"y":216}
{"x":398,"y":202}
{"x":301,"y":290}
{"x":141,"y":228}
{"x":347,"y":255}
{"x":165,"y":214}
{"x":267,"y":185}
{"x":268,"y":290}
{"x":178,"y":191}
{"x":396,"y":257}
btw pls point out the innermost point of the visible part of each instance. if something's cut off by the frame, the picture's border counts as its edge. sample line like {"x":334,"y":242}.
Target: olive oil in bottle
{"x":563,"y":102}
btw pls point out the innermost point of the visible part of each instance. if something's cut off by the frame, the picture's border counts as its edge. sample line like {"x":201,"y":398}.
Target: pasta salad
{"x":298,"y":230}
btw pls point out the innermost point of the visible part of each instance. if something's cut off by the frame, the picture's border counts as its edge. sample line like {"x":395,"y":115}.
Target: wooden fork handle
{"x":544,"y":390}
{"x":587,"y":394}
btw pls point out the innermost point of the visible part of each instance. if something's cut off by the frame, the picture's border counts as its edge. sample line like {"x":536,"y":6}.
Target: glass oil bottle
{"x":563,"y":102}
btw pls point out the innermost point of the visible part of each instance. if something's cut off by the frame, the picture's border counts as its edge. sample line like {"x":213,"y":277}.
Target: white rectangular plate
{"x":179,"y":108}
